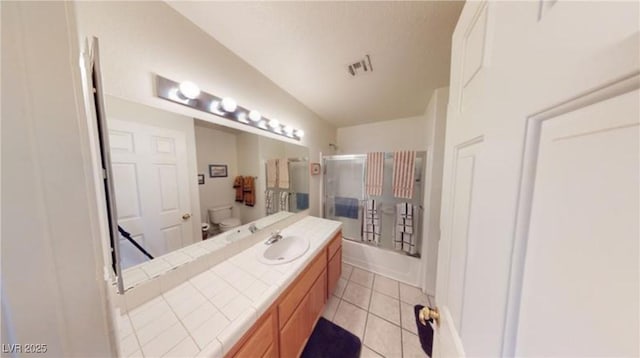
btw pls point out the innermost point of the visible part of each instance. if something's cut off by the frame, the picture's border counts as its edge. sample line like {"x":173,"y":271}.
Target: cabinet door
{"x":297,"y":330}
{"x":272,"y":352}
{"x":335,"y":270}
{"x":317,"y":298}
{"x":301,"y":287}
{"x":261,"y":341}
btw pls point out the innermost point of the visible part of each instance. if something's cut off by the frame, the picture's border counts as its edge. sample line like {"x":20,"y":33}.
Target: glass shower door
{"x":344,"y":192}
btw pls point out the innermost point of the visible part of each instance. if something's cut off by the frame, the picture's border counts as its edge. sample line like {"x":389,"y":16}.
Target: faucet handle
{"x":276,"y":233}
{"x":253,"y":228}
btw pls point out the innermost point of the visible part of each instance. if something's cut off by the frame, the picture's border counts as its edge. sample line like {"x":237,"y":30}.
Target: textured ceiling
{"x":305,"y":48}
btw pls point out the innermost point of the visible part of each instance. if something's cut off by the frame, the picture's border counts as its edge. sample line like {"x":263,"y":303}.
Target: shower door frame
{"x":421,"y":180}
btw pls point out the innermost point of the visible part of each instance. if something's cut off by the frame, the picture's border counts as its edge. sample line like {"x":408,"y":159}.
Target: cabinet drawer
{"x":300,"y":288}
{"x":334,"y":270}
{"x":335,"y":244}
{"x":262,"y":339}
{"x":297,"y":330}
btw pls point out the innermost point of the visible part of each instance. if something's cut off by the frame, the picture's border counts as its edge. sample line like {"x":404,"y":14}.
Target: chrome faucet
{"x":275,"y":237}
{"x":253,"y":228}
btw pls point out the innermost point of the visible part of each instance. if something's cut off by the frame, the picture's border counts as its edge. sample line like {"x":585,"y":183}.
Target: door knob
{"x":186,"y":216}
{"x":429,"y":313}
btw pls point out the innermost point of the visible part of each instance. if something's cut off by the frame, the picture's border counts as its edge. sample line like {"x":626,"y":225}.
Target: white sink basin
{"x":284,"y":250}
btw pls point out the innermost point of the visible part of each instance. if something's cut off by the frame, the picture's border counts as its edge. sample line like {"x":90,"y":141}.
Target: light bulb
{"x":274,"y":123}
{"x":263,"y":124}
{"x":300,"y":133}
{"x":255,"y":116}
{"x":214,"y":107}
{"x":242,"y":117}
{"x":189,"y":89}
{"x":289,"y":130}
{"x":229,"y":104}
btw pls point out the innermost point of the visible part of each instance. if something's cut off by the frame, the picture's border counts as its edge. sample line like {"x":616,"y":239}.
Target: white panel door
{"x":540,"y":206}
{"x":581,"y":267}
{"x":151,"y":184}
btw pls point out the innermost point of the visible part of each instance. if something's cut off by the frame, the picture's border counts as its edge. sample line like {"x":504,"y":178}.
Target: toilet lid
{"x":230,"y":222}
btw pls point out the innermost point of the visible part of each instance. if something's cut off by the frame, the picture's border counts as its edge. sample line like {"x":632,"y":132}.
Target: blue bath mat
{"x":330,"y":341}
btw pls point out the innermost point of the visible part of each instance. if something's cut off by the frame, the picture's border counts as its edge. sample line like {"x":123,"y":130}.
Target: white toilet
{"x":223,"y":217}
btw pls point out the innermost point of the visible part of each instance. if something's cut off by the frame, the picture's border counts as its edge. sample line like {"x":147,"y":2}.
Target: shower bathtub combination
{"x":345,"y":199}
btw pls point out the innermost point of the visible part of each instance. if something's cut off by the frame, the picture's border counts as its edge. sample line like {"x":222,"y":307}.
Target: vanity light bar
{"x":189,"y":94}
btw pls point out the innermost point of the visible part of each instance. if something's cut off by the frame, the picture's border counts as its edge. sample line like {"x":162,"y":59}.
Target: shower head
{"x":331,"y":145}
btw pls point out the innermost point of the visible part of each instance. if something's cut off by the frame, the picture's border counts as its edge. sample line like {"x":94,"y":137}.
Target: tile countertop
{"x":209,"y":313}
{"x":141,"y":273}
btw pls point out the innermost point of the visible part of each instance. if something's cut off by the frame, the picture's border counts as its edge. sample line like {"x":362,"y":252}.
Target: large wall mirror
{"x":185,"y":187}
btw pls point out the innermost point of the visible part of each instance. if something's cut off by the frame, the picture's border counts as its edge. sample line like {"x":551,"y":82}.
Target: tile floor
{"x":379,"y":311}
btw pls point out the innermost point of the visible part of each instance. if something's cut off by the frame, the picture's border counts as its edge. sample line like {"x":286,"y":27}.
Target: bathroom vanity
{"x":242,"y":306}
{"x":285,"y":327}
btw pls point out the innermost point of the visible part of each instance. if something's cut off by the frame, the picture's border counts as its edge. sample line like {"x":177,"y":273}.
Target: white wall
{"x":140,"y":39}
{"x":53,"y":289}
{"x":422,"y":133}
{"x":214,"y":146}
{"x":124,"y":110}
{"x":436,"y":115}
{"x":248,"y":148}
{"x":386,"y":136}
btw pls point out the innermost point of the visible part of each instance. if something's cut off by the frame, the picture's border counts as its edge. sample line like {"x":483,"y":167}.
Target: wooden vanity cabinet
{"x":296,"y":332}
{"x":263,"y":339}
{"x":283,"y":330}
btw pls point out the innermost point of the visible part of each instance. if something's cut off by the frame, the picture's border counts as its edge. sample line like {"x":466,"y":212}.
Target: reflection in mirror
{"x":287,"y":173}
{"x":186,"y":187}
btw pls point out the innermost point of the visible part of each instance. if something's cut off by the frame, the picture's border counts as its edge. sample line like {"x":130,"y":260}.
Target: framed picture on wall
{"x":200,"y":179}
{"x":315,"y":168}
{"x":218,"y":171}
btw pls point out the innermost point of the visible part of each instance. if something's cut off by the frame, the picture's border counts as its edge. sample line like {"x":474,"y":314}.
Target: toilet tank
{"x":220,"y":213}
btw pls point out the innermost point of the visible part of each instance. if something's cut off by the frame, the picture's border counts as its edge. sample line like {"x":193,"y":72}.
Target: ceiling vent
{"x":361,"y":67}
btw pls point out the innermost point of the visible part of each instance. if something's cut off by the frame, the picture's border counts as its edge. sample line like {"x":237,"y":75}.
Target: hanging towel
{"x":346,"y":207}
{"x":371,"y":222}
{"x":302,"y":201}
{"x":283,"y":173}
{"x":272,"y":170}
{"x":249,"y":191}
{"x":269,"y":202}
{"x":405,"y":235}
{"x":238,"y":185}
{"x":284,"y":201}
{"x":404,"y":170}
{"x":375,"y":173}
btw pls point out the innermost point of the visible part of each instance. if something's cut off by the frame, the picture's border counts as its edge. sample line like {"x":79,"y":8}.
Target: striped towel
{"x":284,"y":201}
{"x":404,"y":171}
{"x":405,"y":235}
{"x":269,"y":202}
{"x":375,"y":173}
{"x":371,"y":222}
